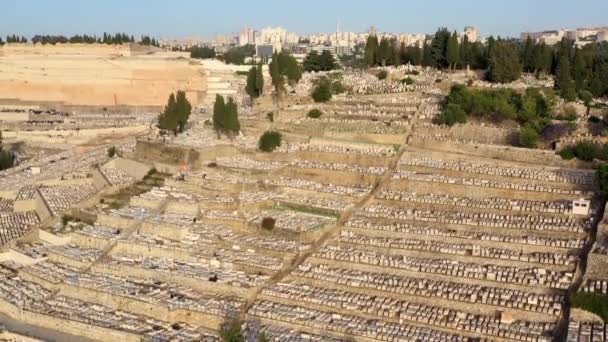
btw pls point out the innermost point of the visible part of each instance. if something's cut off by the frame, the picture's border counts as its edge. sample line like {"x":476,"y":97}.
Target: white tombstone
{"x":581,"y":207}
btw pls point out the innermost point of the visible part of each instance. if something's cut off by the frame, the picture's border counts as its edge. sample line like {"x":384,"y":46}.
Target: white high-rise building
{"x":471,"y":33}
{"x":247,"y":36}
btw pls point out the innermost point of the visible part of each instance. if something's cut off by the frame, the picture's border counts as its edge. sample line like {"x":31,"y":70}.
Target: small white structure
{"x":581,"y":207}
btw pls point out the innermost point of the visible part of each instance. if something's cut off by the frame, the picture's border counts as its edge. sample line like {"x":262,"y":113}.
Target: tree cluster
{"x":585,"y":151}
{"x":202,"y":52}
{"x":118,"y":38}
{"x":237,"y":55}
{"x":580,"y":71}
{"x":284,"y":67}
{"x":176,"y":113}
{"x":255,"y":82}
{"x":320,"y":62}
{"x":531,"y":110}
{"x":146,"y":40}
{"x":15,"y":39}
{"x":225,"y":116}
{"x":107,"y":38}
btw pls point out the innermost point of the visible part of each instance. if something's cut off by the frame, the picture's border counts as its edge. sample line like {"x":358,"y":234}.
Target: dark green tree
{"x":168,"y":119}
{"x":312,"y":62}
{"x":439,"y":47}
{"x":269,"y":141}
{"x":371,"y":50}
{"x":465,"y":51}
{"x":327,"y":62}
{"x":505,"y":66}
{"x":322,"y":91}
{"x":384,"y":52}
{"x":254,"y":87}
{"x":602,"y":180}
{"x":563,"y":80}
{"x":219,"y":113}
{"x":427,"y":55}
{"x":453,"y":51}
{"x":528,"y":137}
{"x":233,"y":126}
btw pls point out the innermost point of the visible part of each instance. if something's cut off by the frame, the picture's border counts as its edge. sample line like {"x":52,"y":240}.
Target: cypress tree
{"x":259,"y":79}
{"x":232,"y":124}
{"x":252,"y":86}
{"x":183,"y":108}
{"x":219,"y":113}
{"x":579,"y":71}
{"x":453,"y":51}
{"x":427,"y":55}
{"x":371,"y":50}
{"x":563,"y":79}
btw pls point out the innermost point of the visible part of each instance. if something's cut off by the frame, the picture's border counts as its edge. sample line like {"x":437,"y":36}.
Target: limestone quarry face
{"x":97,"y":75}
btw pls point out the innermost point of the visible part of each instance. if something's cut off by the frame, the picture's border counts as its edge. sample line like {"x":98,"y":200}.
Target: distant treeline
{"x":107,"y":38}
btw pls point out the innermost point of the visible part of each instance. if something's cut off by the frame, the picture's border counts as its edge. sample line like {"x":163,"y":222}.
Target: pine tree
{"x":312,"y":62}
{"x":327,"y":62}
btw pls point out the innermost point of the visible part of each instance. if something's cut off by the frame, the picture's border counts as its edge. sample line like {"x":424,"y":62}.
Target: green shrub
{"x":270,"y":116}
{"x":382,"y":75}
{"x":268,"y":223}
{"x":111,"y":151}
{"x":528,"y":137}
{"x":314,"y":114}
{"x":231,"y":332}
{"x":585,"y":151}
{"x":337,"y":88}
{"x":322,"y":92}
{"x":150,"y":173}
{"x":453,"y":114}
{"x":602,"y":178}
{"x":269,"y":141}
{"x":594,"y":303}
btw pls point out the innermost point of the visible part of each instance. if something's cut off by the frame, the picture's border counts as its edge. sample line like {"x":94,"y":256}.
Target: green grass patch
{"x":594,"y":303}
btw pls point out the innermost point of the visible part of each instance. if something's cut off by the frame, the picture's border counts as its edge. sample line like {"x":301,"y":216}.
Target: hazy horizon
{"x":188,"y":18}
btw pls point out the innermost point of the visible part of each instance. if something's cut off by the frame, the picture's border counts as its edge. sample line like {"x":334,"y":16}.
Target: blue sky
{"x":174,"y":18}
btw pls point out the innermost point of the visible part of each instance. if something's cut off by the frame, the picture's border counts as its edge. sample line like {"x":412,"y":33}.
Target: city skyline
{"x":197,"y":19}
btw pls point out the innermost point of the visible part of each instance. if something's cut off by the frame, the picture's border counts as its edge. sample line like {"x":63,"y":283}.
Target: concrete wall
{"x":508,"y":153}
{"x":66,"y":326}
{"x":133,"y":168}
{"x":42,"y":209}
